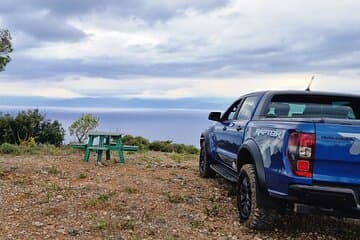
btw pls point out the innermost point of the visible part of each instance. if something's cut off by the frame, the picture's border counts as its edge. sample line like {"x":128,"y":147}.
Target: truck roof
{"x":275,"y":92}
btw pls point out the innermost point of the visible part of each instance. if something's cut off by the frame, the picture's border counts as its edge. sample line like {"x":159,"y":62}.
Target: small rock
{"x":60,"y":198}
{"x":38,"y":224}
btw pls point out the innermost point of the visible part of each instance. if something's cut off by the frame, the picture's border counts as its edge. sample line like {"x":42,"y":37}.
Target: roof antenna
{"x":309,"y":86}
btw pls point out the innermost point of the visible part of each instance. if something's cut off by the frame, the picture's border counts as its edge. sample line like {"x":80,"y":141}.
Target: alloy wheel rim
{"x":245,"y":198}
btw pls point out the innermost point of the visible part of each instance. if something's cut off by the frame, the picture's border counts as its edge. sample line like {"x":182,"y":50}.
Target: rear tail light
{"x":301,"y":150}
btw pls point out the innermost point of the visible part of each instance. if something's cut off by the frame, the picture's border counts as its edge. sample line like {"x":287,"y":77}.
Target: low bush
{"x":143,"y":143}
{"x":159,"y":146}
{"x":169,"y":146}
{"x":7,"y":148}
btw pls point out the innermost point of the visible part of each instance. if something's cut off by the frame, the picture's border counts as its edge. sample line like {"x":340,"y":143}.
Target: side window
{"x":247,"y":108}
{"x":230,"y":113}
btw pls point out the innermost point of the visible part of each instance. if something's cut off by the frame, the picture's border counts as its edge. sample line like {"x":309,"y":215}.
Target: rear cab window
{"x":313,"y":106}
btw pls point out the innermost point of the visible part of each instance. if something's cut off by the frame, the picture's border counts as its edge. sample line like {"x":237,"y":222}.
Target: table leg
{"x":99,"y":156}
{"x":108,"y":151}
{"x":87,"y":150}
{"x":99,"y":152}
{"x":120,"y":150}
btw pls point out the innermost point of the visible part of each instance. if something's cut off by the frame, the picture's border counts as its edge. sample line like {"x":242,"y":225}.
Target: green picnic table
{"x":108,"y":141}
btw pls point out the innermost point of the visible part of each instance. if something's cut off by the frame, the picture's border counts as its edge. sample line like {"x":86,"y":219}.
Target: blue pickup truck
{"x":287,"y":150}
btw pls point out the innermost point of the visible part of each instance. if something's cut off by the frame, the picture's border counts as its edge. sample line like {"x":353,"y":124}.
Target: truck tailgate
{"x":337,"y":153}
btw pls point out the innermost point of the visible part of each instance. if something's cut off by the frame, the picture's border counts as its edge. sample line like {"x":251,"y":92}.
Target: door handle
{"x":238,"y":128}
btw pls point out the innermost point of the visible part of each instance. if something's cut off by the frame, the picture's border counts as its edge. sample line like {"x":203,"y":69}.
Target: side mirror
{"x":215,"y":116}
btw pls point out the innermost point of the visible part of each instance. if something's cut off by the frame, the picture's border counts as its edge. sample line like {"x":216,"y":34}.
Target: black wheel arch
{"x":249,"y":153}
{"x":204,"y":137}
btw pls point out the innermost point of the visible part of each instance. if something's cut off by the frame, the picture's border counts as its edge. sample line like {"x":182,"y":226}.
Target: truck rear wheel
{"x":248,"y":198}
{"x":204,"y":163}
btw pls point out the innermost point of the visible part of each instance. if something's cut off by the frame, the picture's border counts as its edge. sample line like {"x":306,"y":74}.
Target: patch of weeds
{"x":103,"y":197}
{"x":174,"y":198}
{"x":212,"y":198}
{"x":22,"y":181}
{"x":74,"y":232}
{"x":27,"y":194}
{"x":129,"y":224}
{"x":178,"y":158}
{"x":7,"y":148}
{"x":49,"y":195}
{"x":53,"y":170}
{"x":51,"y":189}
{"x":82,"y":176}
{"x":101,"y":225}
{"x":213,"y":210}
{"x":195,"y":223}
{"x":98,"y":201}
{"x":131,"y":190}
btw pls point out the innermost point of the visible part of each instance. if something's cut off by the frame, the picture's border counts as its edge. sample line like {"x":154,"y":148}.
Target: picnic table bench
{"x":108,"y":141}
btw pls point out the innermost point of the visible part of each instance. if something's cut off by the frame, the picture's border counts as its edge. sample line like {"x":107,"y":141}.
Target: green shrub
{"x":191,"y":149}
{"x":161,"y":146}
{"x":29,"y":127}
{"x":168,"y":146}
{"x":7,"y":148}
{"x":143,"y":143}
{"x":29,"y":149}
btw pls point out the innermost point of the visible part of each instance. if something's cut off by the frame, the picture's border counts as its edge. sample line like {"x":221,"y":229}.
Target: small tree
{"x":27,"y":125}
{"x":5,"y":48}
{"x":81,"y":127}
{"x":51,"y":133}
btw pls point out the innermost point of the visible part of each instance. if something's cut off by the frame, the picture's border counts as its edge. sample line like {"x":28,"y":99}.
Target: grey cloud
{"x":28,"y":16}
{"x":43,"y":28}
{"x":23,"y":16}
{"x":148,"y":10}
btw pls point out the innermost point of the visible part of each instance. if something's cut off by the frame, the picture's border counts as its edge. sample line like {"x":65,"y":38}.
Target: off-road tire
{"x":204,"y":163}
{"x":257,"y":218}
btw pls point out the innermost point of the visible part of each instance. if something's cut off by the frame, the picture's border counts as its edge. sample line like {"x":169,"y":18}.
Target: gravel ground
{"x":151,"y":196}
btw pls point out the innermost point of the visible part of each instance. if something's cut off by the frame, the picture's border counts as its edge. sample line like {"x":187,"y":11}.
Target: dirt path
{"x":152,"y":196}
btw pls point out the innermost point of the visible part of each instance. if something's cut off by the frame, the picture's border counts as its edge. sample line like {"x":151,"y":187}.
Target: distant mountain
{"x":184,"y":103}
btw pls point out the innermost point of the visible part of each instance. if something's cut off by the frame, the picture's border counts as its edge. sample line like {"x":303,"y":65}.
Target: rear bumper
{"x":343,"y":201}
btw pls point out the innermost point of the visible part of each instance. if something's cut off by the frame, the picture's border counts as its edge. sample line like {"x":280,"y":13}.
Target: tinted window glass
{"x":247,"y":108}
{"x":230,"y":113}
{"x":313,"y":106}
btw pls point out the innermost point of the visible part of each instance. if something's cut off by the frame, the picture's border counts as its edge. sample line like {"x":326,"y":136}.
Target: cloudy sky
{"x":179,"y":48}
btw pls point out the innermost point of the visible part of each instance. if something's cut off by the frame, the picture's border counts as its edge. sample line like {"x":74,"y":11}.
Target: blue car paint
{"x":273,"y":150}
{"x":337,"y":158}
{"x":338,"y":165}
{"x":226,"y":144}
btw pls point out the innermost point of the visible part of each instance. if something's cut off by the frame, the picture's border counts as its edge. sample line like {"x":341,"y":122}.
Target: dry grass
{"x":151,"y":196}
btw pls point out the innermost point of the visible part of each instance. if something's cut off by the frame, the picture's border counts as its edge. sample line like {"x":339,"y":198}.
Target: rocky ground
{"x":151,"y":196}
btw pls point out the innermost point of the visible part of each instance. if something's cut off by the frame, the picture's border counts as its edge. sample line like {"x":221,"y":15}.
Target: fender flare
{"x":204,"y":137}
{"x":251,"y":146}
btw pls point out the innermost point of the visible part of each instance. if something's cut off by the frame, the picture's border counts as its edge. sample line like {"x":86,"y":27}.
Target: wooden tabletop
{"x":111,"y":134}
